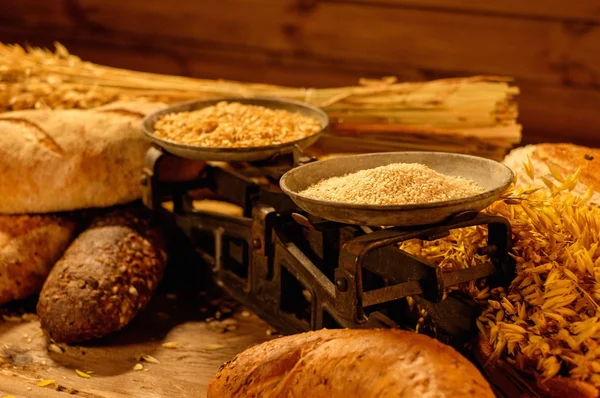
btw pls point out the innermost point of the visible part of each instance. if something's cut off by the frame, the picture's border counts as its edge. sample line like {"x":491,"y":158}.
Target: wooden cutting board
{"x":181,"y":372}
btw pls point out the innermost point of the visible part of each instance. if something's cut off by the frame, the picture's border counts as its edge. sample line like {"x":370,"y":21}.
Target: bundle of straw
{"x":470,"y":115}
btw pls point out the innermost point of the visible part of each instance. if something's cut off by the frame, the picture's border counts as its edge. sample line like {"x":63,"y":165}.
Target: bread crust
{"x":349,"y":363}
{"x":29,"y":247}
{"x":62,"y":160}
{"x":567,"y":158}
{"x":564,"y":158}
{"x":104,"y":278}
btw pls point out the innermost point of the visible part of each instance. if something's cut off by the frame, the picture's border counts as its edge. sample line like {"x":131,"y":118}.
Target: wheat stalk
{"x":548,"y":321}
{"x":463,"y":107}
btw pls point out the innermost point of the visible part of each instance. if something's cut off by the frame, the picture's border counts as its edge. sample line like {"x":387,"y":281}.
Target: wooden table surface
{"x":25,"y":359}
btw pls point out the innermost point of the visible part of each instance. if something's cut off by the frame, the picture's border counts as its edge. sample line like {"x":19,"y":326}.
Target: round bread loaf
{"x":62,"y":160}
{"x":562,"y":158}
{"x":350,"y":363}
{"x":107,"y":275}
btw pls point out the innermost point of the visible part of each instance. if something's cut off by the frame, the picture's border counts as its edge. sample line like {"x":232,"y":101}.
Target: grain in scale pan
{"x":235,"y":125}
{"x":393,"y":184}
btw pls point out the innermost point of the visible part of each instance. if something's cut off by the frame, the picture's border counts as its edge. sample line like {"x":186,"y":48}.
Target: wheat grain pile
{"x":235,"y":125}
{"x":393,"y":184}
{"x":548,"y":319}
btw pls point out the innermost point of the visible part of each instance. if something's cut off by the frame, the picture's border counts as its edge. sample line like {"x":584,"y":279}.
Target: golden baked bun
{"x":346,"y":363}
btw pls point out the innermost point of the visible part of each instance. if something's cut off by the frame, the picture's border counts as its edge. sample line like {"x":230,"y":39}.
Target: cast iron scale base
{"x":301,"y":273}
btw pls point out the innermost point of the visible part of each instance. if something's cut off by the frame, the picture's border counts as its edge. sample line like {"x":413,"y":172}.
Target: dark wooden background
{"x":551,"y":47}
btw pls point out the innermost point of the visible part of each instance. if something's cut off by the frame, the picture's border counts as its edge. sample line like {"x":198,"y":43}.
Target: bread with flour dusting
{"x":62,"y":160}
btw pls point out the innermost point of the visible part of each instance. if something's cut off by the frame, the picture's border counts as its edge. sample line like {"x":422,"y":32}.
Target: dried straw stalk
{"x":549,"y":318}
{"x":479,"y":111}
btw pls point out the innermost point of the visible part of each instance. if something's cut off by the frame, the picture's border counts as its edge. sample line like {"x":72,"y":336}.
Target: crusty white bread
{"x":62,"y":160}
{"x":347,"y":363}
{"x":29,"y":247}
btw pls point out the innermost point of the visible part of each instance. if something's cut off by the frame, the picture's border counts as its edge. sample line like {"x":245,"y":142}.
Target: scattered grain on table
{"x":82,"y":374}
{"x":226,"y":325}
{"x":12,"y":318}
{"x":45,"y":383}
{"x":29,"y":317}
{"x":55,"y":348}
{"x":149,"y":358}
{"x":213,"y":347}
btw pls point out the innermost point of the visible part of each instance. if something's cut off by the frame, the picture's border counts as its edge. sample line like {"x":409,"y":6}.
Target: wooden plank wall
{"x":552,"y":47}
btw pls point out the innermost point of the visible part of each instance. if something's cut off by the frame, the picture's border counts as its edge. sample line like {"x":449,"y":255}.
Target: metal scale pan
{"x":493,"y":176}
{"x":235,"y":154}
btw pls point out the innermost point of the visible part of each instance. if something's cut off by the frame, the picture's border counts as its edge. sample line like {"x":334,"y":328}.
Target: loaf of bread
{"x":349,"y":363}
{"x":564,"y":158}
{"x":62,"y":160}
{"x":104,"y":279}
{"x":29,"y":247}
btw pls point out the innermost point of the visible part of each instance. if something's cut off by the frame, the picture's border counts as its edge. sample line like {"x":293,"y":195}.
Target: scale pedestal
{"x":299,"y":272}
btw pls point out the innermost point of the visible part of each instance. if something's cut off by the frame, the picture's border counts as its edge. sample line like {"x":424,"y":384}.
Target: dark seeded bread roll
{"x":350,"y":363}
{"x":104,"y":279}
